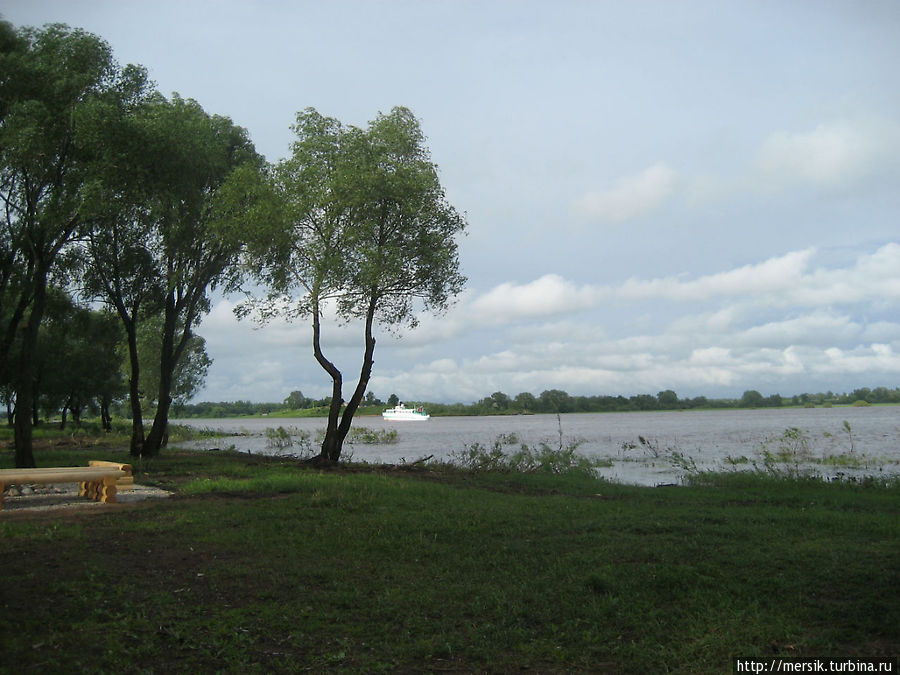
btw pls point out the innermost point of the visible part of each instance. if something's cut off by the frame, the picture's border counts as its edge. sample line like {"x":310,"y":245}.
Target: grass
{"x":262,"y":565}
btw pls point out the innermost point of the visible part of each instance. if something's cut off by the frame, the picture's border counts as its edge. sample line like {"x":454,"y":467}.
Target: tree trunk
{"x":168,"y":359}
{"x":134,"y":391}
{"x":25,"y":408}
{"x":157,"y":436}
{"x":364,"y":374}
{"x":336,"y":432}
{"x":105,"y":417}
{"x":333,"y":442}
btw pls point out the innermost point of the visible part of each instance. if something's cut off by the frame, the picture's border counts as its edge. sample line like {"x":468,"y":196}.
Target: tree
{"x":49,"y":77}
{"x":295,"y":401}
{"x":188,"y":375}
{"x":76,"y":366}
{"x":497,"y":401}
{"x":393,"y":401}
{"x":365,"y":229}
{"x":120,"y":266}
{"x":751,"y":399}
{"x":555,"y":401}
{"x":668,"y":400}
{"x":525,"y":401}
{"x":174,"y":236}
{"x":196,"y":225}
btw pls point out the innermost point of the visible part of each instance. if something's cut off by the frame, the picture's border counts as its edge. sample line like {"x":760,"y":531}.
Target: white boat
{"x":401,"y":413}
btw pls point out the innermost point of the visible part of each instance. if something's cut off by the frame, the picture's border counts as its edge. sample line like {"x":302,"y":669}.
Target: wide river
{"x":702,"y":440}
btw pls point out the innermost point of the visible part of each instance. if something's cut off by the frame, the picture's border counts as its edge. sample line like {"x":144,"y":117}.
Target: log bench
{"x":126,"y":482}
{"x":97,"y":482}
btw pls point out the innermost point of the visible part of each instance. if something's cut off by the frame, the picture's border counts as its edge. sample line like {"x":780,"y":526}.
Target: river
{"x":674,"y":442}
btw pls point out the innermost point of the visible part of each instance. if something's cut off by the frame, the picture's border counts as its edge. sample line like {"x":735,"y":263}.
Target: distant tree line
{"x":557,"y":401}
{"x":294,"y":401}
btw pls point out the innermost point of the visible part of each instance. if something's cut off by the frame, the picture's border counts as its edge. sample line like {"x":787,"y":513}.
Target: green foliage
{"x":51,"y":79}
{"x":563,"y":459}
{"x":76,"y":364}
{"x":557,"y":401}
{"x":280,"y":440}
{"x":366,"y":436}
{"x":360,"y":222}
{"x":189,"y":372}
{"x":296,"y":400}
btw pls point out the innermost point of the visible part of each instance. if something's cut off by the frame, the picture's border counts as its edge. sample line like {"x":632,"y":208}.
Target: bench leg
{"x":93,"y":489}
{"x":2,"y":490}
{"x":107,"y":491}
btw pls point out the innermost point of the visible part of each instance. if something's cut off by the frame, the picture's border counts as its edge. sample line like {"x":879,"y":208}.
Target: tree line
{"x":557,"y":401}
{"x":115,"y":196}
{"x":124,"y":209}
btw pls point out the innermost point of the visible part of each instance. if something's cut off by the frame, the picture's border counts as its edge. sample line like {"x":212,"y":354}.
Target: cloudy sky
{"x":699,"y":196}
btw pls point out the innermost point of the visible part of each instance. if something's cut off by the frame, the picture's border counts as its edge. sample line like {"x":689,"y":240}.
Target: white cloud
{"x":763,"y":326}
{"x":819,"y":328}
{"x":832,"y":154}
{"x":783,"y":280}
{"x":632,"y":197}
{"x":550,"y":295}
{"x":878,"y":358}
{"x":771,"y":276}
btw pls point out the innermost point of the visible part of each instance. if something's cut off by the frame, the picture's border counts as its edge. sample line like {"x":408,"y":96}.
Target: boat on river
{"x":401,"y":413}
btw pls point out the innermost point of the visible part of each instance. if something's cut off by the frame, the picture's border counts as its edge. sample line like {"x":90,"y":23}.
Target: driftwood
{"x":421,"y":460}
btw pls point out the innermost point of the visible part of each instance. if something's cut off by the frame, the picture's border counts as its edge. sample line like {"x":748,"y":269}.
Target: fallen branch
{"x":421,"y":460}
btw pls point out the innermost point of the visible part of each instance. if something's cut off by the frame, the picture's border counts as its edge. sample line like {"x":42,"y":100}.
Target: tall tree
{"x":47,"y":77}
{"x":202,"y":164}
{"x":365,"y":227}
{"x":121,"y":267}
{"x":167,"y":202}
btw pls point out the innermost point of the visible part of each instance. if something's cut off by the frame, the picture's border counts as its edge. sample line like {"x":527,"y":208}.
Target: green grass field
{"x":263,"y":565}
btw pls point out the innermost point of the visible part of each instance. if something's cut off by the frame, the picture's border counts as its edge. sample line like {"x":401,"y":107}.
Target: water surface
{"x":707,"y":440}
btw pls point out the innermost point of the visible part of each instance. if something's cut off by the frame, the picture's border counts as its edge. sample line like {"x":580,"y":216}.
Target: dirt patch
{"x":65,"y":496}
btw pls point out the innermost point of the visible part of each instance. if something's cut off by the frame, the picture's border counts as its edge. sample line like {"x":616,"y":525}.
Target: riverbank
{"x":261,"y":564}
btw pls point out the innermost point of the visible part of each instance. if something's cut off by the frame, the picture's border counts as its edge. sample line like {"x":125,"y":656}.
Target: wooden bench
{"x":126,"y":482}
{"x":97,"y":482}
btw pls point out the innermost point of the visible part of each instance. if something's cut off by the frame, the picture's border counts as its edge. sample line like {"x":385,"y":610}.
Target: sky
{"x":697,"y":196}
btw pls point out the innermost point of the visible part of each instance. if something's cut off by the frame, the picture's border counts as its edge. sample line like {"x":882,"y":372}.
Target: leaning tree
{"x":363,"y":226}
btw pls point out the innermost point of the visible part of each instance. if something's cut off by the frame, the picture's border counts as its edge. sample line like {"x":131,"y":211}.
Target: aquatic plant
{"x":849,"y":433}
{"x":368,"y":436}
{"x":563,"y":459}
{"x":280,"y":440}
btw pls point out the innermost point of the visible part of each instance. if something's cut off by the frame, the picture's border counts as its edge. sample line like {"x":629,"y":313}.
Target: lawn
{"x":264,"y":565}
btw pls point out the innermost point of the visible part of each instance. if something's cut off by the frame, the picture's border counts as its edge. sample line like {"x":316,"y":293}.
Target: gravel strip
{"x":64,"y":496}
